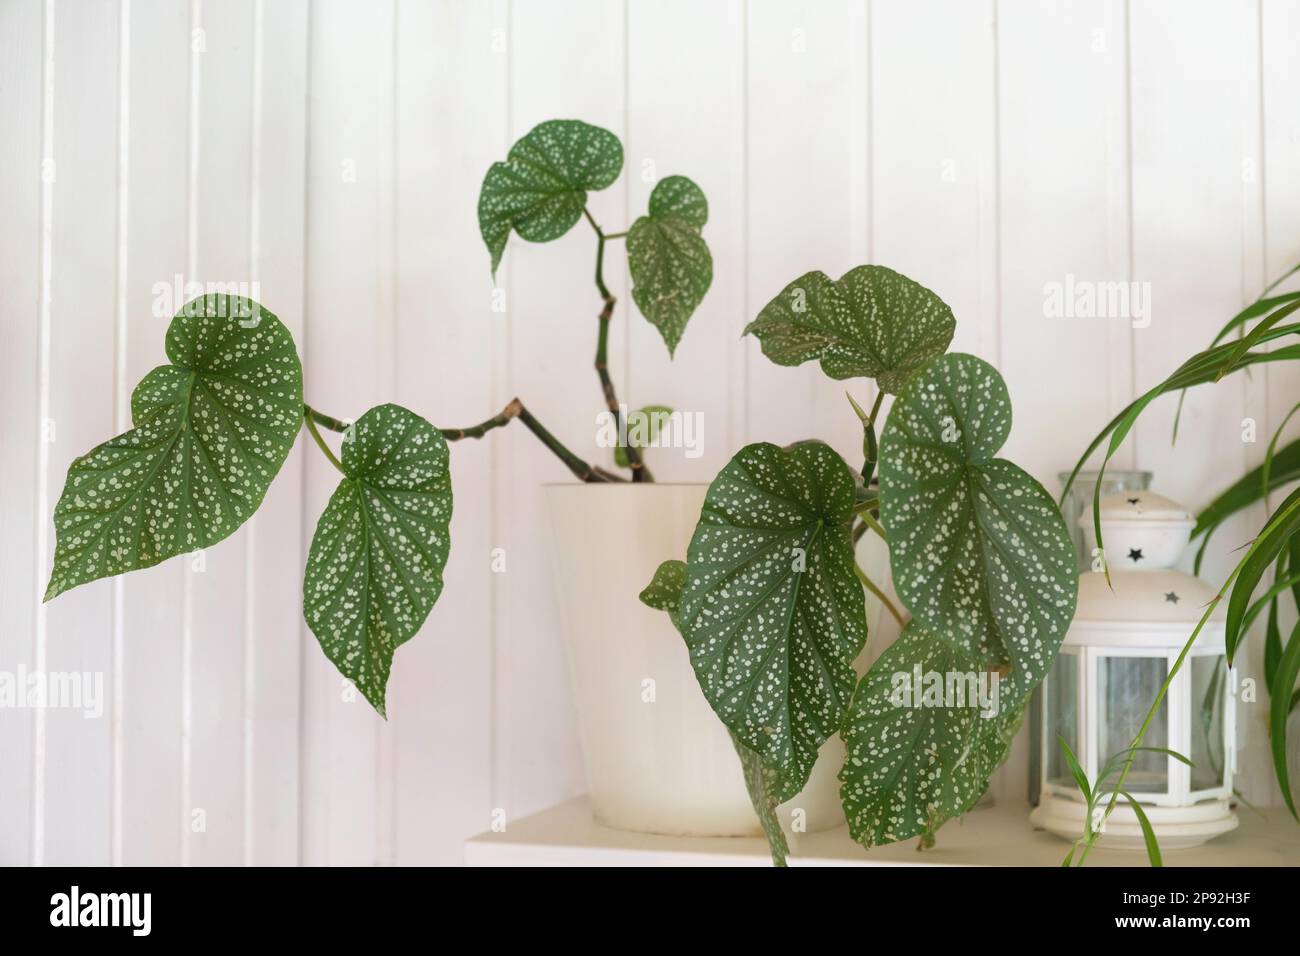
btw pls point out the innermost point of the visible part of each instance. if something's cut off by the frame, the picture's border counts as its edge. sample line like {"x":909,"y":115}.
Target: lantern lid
{"x":1143,"y":598}
{"x":1144,"y":506}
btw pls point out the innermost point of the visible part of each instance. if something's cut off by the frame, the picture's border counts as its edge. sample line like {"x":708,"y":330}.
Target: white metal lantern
{"x":1118,"y":651}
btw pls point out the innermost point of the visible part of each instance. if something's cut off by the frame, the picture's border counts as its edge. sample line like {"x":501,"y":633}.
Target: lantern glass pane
{"x":1209,"y":679}
{"x":1126,"y":688}
{"x":1062,"y":695}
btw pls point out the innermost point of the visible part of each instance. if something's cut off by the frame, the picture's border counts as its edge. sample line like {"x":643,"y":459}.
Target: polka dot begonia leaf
{"x":767,"y":788}
{"x":375,"y":567}
{"x":670,"y":263}
{"x":980,"y":556}
{"x":772,"y":611}
{"x":541,"y":188}
{"x":912,"y":764}
{"x":211,"y":430}
{"x":873,"y":322}
{"x":978,"y":549}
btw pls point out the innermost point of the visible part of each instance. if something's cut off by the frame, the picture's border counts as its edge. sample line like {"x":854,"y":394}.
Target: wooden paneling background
{"x":332,"y":152}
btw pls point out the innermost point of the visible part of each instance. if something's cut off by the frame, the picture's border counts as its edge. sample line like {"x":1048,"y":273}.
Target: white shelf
{"x":566,"y":835}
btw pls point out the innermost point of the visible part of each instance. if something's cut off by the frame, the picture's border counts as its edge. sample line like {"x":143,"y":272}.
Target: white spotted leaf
{"x":211,"y":430}
{"x":772,"y":611}
{"x":541,"y":188}
{"x":376,"y":560}
{"x":872,"y":322}
{"x":766,"y":786}
{"x":915,"y":762}
{"x":978,"y":549}
{"x":670,"y":263}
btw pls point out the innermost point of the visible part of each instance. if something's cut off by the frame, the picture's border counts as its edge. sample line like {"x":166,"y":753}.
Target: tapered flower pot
{"x":658,"y":759}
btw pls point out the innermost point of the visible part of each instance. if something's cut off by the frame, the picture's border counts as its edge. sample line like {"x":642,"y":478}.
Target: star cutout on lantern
{"x":1171,"y":597}
{"x":1134,"y":501}
{"x":1135,"y":554}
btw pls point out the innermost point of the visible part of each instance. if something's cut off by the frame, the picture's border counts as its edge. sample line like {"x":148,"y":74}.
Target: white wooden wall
{"x":332,"y":150}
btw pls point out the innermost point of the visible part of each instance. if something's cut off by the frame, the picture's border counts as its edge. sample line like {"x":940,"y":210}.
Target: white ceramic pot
{"x":658,"y":759}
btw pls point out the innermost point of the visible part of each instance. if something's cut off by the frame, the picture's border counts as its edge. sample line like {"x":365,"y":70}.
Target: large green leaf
{"x":211,"y":431}
{"x":978,"y":549}
{"x":914,"y":761}
{"x":541,"y":188}
{"x":670,"y":263}
{"x":772,"y":611}
{"x":767,"y":787}
{"x":376,"y":560}
{"x":873,"y":322}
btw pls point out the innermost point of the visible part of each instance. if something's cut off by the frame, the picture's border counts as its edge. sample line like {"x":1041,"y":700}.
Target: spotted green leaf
{"x":917,"y":758}
{"x":211,"y":431}
{"x":772,"y":611}
{"x":664,"y":592}
{"x":978,"y":550}
{"x":376,"y":560}
{"x":643,"y":427}
{"x":670,"y":263}
{"x":767,"y":788}
{"x":541,"y":188}
{"x":873,"y":322}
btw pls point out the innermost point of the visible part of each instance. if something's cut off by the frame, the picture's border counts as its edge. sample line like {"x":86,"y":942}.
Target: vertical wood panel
{"x":1063,"y":206}
{"x":690,"y":123}
{"x":1191,"y":73}
{"x":442,"y":692}
{"x":935,"y":154}
{"x":214,"y":832}
{"x":21,"y":49}
{"x":350,"y":369}
{"x":77,"y":767}
{"x":806,"y":98}
{"x":553,"y":304}
{"x":1280,"y":181}
{"x":272,"y":680}
{"x":155,"y":253}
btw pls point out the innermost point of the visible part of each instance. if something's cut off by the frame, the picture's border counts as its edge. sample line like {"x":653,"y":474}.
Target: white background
{"x":333,"y":151}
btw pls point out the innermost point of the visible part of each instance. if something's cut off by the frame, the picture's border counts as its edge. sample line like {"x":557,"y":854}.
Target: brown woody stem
{"x":634,"y":460}
{"x":515,"y":409}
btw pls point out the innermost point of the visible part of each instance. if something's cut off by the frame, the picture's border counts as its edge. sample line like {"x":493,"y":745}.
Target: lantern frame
{"x":1180,"y":711}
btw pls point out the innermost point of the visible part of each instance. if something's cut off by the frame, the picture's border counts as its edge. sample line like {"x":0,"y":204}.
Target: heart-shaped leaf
{"x":767,"y":787}
{"x":541,"y":188}
{"x":376,"y":560}
{"x":772,"y":611}
{"x":927,"y":729}
{"x":873,"y":322}
{"x":211,"y":431}
{"x":670,"y":263}
{"x":978,"y":549}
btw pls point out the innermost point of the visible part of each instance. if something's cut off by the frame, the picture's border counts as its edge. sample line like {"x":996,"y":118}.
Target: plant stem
{"x":580,"y":468}
{"x":634,"y":459}
{"x":325,"y":421}
{"x":870,"y":585}
{"x":498,"y":420}
{"x":307,"y":418}
{"x":515,"y":409}
{"x":872,"y":523}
